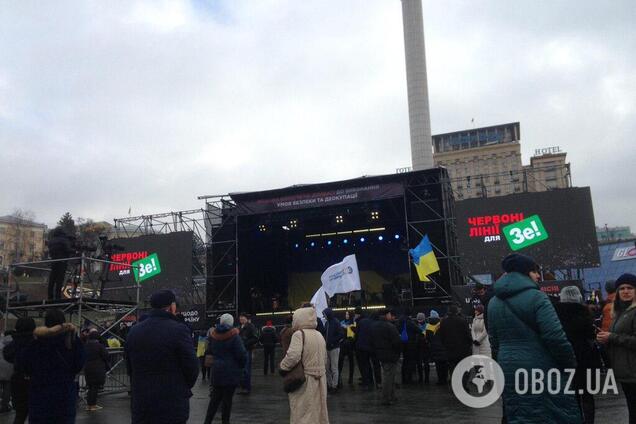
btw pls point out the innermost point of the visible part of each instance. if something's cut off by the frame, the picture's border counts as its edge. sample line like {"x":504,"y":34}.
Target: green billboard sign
{"x":525,"y":233}
{"x":146,"y":268}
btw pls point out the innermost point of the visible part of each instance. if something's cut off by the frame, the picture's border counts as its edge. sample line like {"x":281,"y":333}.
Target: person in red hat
{"x":268,"y":339}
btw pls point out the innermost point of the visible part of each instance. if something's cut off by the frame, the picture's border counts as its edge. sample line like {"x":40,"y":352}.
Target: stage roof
{"x":331,"y":185}
{"x":363,"y":189}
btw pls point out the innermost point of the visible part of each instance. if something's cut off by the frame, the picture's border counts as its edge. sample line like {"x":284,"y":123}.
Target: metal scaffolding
{"x":81,"y":309}
{"x":194,"y":220}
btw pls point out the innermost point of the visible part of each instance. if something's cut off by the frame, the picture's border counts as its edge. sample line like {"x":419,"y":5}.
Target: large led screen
{"x":168,"y":265}
{"x":555,"y":227}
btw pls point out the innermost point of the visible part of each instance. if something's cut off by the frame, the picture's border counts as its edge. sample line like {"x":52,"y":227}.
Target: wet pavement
{"x":351,"y":405}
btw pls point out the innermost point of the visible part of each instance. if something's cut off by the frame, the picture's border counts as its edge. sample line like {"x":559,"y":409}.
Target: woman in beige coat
{"x":481,"y":343}
{"x":308,"y":404}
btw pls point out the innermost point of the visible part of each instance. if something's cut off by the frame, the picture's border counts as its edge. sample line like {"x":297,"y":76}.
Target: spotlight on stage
{"x":328,"y":242}
{"x":312,"y":244}
{"x":362,"y":239}
{"x":380,"y":238}
{"x":397,"y":237}
{"x":345,"y":241}
{"x":262,"y":228}
{"x":375,"y":215}
{"x":339,"y":219}
{"x":296,"y":245}
{"x":285,"y":227}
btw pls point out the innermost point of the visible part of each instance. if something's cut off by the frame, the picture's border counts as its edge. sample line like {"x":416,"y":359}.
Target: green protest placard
{"x":146,"y":268}
{"x":525,"y":233}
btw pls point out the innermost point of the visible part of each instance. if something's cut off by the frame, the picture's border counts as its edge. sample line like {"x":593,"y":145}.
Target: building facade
{"x":486,"y":162}
{"x":21,"y":240}
{"x":548,"y":170}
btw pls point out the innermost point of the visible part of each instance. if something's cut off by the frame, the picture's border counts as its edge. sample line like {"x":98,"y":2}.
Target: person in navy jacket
{"x":162,"y":363}
{"x":229,"y":360}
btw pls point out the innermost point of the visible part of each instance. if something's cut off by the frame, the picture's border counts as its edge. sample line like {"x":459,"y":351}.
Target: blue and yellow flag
{"x":424,"y":259}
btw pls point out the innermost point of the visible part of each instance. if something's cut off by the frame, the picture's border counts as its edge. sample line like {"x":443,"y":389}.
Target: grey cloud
{"x":149,"y":104}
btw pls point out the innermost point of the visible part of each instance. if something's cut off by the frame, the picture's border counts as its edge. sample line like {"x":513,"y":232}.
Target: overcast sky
{"x":148,"y":104}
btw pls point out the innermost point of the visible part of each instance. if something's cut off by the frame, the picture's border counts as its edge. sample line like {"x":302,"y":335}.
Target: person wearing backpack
{"x":408,"y":335}
{"x":436,"y":348}
{"x":456,"y":337}
{"x":268,"y":340}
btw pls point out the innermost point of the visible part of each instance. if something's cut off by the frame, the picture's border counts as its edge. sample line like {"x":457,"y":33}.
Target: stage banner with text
{"x":247,"y":204}
{"x":194,"y":316}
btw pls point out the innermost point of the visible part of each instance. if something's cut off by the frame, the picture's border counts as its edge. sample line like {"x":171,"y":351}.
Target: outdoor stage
{"x":267,"y":249}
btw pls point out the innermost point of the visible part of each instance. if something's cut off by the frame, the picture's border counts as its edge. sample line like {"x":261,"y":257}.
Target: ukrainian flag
{"x":424,"y":259}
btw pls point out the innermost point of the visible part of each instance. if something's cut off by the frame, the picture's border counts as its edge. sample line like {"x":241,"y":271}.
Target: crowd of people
{"x":513,"y":322}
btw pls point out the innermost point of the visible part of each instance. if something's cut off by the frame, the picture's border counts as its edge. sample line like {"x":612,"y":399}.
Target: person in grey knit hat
{"x":578,"y":326}
{"x":227,"y":320}
{"x":229,"y":358}
{"x":571,"y":294}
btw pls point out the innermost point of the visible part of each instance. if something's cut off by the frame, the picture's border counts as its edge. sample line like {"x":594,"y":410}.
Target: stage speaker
{"x":390,"y":295}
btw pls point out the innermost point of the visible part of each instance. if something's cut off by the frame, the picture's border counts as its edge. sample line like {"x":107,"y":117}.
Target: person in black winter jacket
{"x":423,"y":352}
{"x":59,"y":248}
{"x":347,"y":349}
{"x":333,"y":335}
{"x":268,"y":339}
{"x":229,"y":359}
{"x":162,"y":363}
{"x":436,"y":347}
{"x":97,"y":365}
{"x":577,"y":323}
{"x":22,"y":337}
{"x":52,"y":361}
{"x":456,"y":337}
{"x":408,"y":335}
{"x":249,"y":335}
{"x":387,"y":346}
{"x":364,"y":350}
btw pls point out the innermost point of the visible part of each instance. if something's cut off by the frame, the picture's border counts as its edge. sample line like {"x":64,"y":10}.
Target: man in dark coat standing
{"x":333,"y":337}
{"x":363,"y":347}
{"x":268,"y":339}
{"x":162,"y":364}
{"x":59,"y":248}
{"x":249,"y":335}
{"x":456,"y":337}
{"x":387,"y":346}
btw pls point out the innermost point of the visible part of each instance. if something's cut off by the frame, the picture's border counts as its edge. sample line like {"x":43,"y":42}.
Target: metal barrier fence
{"x":117,"y":379}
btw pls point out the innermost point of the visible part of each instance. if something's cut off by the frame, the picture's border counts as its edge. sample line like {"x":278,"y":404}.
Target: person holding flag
{"x":424,"y":259}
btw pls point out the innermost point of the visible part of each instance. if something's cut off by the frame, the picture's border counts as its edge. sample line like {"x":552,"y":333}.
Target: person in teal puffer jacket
{"x":525,"y":333}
